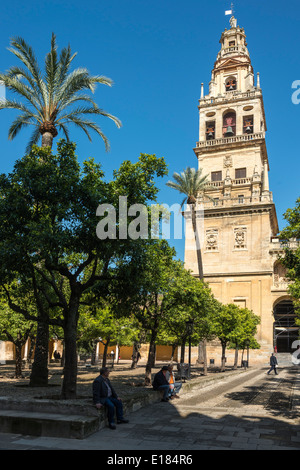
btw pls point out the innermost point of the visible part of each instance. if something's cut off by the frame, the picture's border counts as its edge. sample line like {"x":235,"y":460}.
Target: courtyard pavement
{"x":249,"y":411}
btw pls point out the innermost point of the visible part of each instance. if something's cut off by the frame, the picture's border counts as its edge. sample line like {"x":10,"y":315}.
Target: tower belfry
{"x":239,"y":217}
{"x":232,"y":128}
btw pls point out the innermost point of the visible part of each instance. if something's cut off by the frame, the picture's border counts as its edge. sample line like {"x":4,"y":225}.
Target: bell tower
{"x":239,"y":218}
{"x":231,"y":146}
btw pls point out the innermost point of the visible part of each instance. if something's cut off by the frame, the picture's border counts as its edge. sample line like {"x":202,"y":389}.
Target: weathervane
{"x":232,"y":21}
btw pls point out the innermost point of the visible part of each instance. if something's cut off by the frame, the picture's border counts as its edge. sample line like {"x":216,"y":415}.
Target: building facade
{"x":237,"y":221}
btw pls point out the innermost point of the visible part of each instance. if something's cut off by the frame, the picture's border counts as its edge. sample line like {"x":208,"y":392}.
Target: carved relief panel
{"x":211,"y":240}
{"x":240,"y":238}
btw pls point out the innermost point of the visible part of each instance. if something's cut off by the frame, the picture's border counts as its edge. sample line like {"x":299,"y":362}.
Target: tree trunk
{"x":182,"y":352}
{"x":135,"y":352}
{"x":174,"y":346}
{"x":62,"y":359}
{"x":47,"y":139}
{"x":39,"y":371}
{"x":104,"y":359}
{"x":204,"y":357}
{"x":94,"y":349}
{"x":70,"y":336}
{"x":151,"y":356}
{"x":223,"y":357}
{"x":31,"y":349}
{"x":236,"y":356}
{"x":18,"y":346}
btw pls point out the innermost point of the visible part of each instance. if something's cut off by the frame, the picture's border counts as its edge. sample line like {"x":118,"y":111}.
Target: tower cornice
{"x":208,"y":147}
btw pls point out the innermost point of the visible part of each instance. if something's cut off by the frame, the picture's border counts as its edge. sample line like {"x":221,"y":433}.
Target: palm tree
{"x":53,"y":100}
{"x":192,"y":184}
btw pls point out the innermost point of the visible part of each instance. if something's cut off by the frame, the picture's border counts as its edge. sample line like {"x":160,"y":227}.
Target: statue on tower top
{"x":233,"y":22}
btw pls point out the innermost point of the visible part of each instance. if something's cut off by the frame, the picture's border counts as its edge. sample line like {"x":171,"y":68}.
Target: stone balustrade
{"x":229,"y":140}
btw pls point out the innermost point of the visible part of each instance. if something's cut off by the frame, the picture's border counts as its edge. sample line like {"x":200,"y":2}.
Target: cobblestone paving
{"x":252,"y":412}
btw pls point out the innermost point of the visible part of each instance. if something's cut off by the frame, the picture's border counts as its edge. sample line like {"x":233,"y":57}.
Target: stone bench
{"x":59,"y":418}
{"x":32,"y":423}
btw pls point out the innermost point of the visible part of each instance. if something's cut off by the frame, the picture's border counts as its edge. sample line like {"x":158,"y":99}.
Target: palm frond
{"x":190,"y":182}
{"x":19,"y":123}
{"x":176,"y":186}
{"x":33,"y":139}
{"x":65,"y":60}
{"x":87,"y":125}
{"x":51,"y":66}
{"x":64,"y":129}
{"x":25,"y":53}
{"x":16,"y":86}
{"x":102,"y":80}
{"x":19,"y":73}
{"x":81,"y":110}
{"x":74,"y":99}
{"x":77,"y":80}
{"x":11,"y":104}
{"x":79,"y":123}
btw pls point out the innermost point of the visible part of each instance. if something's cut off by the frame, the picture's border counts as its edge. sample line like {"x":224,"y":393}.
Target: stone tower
{"x":239,"y":224}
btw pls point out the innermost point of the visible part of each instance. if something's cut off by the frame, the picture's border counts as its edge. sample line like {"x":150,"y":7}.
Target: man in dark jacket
{"x":160,"y":382}
{"x":104,"y":395}
{"x":273,"y":364}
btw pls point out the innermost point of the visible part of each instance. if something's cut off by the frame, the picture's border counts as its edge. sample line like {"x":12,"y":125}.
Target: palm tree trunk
{"x":47,"y":139}
{"x":197,"y":241}
{"x":200,"y":272}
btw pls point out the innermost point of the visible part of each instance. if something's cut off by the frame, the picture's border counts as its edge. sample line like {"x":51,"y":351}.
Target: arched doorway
{"x":285,"y":329}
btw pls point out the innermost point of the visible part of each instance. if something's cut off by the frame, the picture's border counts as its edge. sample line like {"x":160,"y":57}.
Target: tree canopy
{"x":290,"y":237}
{"x":48,"y":213}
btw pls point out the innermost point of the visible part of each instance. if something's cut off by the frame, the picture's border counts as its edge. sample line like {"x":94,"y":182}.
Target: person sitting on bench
{"x":160,"y":382}
{"x":105,"y":395}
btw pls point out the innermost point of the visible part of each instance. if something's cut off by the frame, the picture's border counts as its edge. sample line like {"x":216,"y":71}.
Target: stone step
{"x":32,"y":423}
{"x":54,"y":418}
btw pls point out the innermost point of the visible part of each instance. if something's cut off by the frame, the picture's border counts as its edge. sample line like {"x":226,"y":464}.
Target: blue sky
{"x":157,"y":53}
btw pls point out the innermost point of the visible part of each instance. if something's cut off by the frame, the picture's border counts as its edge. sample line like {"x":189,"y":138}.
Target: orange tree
{"x":48,"y":206}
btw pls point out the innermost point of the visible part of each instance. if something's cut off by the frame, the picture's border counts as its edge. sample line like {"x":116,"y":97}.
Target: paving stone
{"x":199,"y":427}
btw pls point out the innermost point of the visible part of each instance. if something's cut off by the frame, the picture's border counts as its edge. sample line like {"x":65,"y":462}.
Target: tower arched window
{"x":229,"y":124}
{"x":231,"y":84}
{"x":210,"y":130}
{"x":248,"y":124}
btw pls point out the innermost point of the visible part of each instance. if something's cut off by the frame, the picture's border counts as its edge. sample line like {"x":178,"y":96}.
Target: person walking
{"x":105,"y":395}
{"x":273,"y":364}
